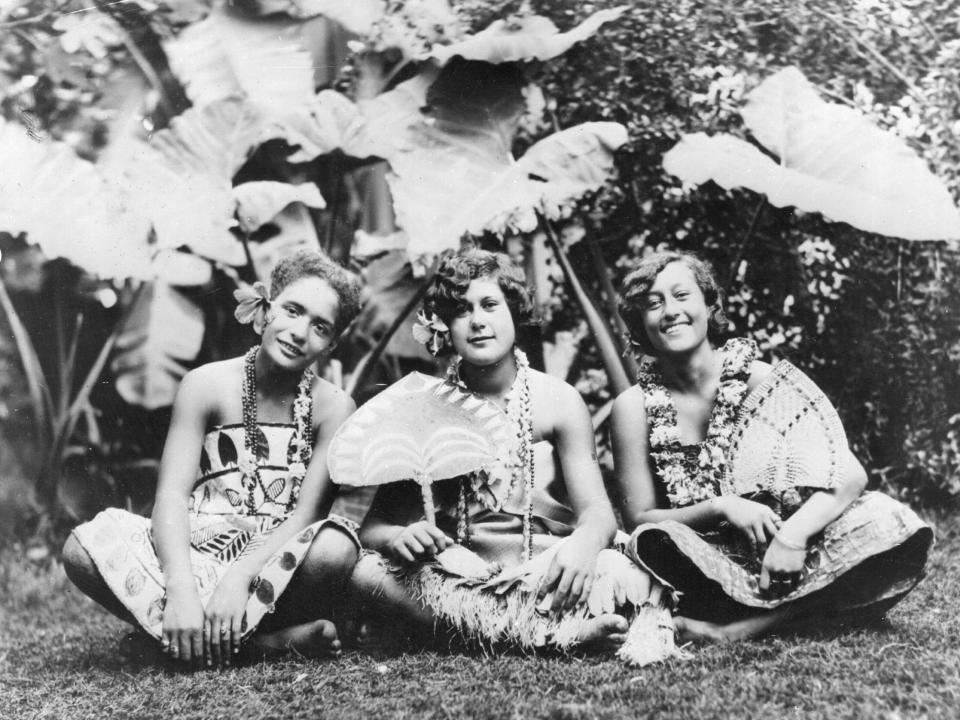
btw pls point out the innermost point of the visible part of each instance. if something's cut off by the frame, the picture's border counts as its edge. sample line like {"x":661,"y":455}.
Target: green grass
{"x":58,"y":660}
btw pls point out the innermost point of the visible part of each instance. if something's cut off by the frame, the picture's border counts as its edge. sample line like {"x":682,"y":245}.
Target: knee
{"x":77,"y":563}
{"x":76,"y":560}
{"x":332,"y":552}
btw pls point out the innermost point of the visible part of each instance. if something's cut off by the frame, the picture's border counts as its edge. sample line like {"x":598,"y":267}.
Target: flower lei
{"x":684,"y":488}
{"x":520,"y":457}
{"x":432,"y":332}
{"x":302,"y":439}
{"x":252,"y":305}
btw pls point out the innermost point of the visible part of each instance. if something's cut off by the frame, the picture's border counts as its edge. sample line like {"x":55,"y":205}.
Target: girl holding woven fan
{"x":539,"y":520}
{"x":736,"y":477}
{"x":227,"y":540}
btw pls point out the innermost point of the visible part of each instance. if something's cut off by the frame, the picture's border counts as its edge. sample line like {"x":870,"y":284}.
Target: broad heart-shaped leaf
{"x":181,"y":180}
{"x":357,"y":16}
{"x":164,"y":330}
{"x":68,"y":208}
{"x":833,"y":161}
{"x":259,"y":202}
{"x":418,"y":428}
{"x":450,"y":184}
{"x":527,"y":38}
{"x":228,"y":56}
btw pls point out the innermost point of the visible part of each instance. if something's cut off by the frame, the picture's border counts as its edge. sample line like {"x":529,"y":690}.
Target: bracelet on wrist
{"x":789,"y":544}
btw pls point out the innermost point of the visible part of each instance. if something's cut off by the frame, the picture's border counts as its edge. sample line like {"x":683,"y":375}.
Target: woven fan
{"x":789,"y":435}
{"x":420,"y":428}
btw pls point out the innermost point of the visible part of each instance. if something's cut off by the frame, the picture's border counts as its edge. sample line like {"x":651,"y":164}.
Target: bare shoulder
{"x":629,"y":405}
{"x":553,"y":390}
{"x":331,"y":402}
{"x":214,"y":378}
{"x":759,"y":371}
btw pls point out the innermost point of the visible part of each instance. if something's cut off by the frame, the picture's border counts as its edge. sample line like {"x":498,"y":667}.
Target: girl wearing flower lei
{"x":546,"y":494}
{"x":224,"y":542}
{"x":743,"y":565}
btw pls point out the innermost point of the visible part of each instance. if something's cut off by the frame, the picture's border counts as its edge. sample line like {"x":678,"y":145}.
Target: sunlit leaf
{"x":229,"y":56}
{"x":163,"y":332}
{"x":532,"y":37}
{"x":182,"y":269}
{"x":833,"y":161}
{"x":68,"y":208}
{"x":295,"y":231}
{"x":448,"y":186}
{"x":259,"y":201}
{"x":357,"y":16}
{"x":90,"y":30}
{"x":182,"y":178}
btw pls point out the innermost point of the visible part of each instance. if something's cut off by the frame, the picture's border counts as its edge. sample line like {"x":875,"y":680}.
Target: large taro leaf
{"x":357,"y":16}
{"x":449,"y":185}
{"x":229,"y":56}
{"x":833,"y":161}
{"x":181,"y":179}
{"x":69,"y":208}
{"x":527,"y":38}
{"x":163,"y":331}
{"x":259,"y":202}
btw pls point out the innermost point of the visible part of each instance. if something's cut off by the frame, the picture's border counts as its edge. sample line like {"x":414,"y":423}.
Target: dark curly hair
{"x":445,"y":293}
{"x":311,"y":263}
{"x":636,"y":285}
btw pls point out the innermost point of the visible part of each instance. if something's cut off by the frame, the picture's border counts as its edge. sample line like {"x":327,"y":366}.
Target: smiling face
{"x":302,"y":324}
{"x":482,"y":331}
{"x":675,"y":313}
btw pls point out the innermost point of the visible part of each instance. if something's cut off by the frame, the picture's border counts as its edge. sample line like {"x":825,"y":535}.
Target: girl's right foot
{"x":605,"y":632}
{"x":313,"y":639}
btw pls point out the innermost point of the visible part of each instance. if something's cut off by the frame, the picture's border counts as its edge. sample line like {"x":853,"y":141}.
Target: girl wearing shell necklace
{"x":475,"y":306}
{"x":228,"y":542}
{"x":671,"y":433}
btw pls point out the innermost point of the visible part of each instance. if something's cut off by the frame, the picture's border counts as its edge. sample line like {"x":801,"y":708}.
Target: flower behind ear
{"x":432,"y":332}
{"x":252,"y":305}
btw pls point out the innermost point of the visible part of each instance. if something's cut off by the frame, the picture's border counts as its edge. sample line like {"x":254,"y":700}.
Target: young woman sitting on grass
{"x":545,"y":496}
{"x":804,"y":548}
{"x":243,"y":535}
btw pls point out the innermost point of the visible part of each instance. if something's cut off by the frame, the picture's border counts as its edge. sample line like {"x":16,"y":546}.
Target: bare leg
{"x":387,"y":606}
{"x":317,"y":590}
{"x":689,"y":630}
{"x":83,"y":573}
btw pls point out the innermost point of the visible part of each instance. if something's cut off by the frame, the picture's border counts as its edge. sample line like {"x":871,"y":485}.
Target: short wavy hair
{"x":312,"y":263}
{"x":445,"y":294}
{"x":636,"y":286}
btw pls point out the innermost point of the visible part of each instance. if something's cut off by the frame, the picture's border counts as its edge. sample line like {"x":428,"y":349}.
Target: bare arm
{"x":183,"y":613}
{"x":825,"y":506}
{"x":631,"y":447}
{"x":394,"y":525}
{"x":178,"y":471}
{"x":571,"y":575}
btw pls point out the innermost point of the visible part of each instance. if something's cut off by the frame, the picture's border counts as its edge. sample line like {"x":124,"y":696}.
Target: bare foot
{"x":314,"y":639}
{"x":605,"y":632}
{"x":699,"y":631}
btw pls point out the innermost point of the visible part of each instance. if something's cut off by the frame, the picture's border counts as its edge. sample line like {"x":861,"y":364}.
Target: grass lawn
{"x":58,"y":660}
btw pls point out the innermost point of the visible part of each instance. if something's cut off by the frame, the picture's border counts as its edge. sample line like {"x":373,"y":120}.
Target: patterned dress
{"x":222,"y":529}
{"x":863,"y":562}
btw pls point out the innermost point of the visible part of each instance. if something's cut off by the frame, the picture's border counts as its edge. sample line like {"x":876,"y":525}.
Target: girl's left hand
{"x":224,"y":621}
{"x":781,"y":569}
{"x":570,"y":575}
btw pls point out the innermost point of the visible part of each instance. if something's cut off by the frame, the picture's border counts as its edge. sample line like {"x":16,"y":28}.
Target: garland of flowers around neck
{"x":683,"y":488}
{"x":520,"y":460}
{"x":301,"y":441}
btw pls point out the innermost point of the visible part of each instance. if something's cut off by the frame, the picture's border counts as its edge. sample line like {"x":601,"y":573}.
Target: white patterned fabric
{"x":221,"y":530}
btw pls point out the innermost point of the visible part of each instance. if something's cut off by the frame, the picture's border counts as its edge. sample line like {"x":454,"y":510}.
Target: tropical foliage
{"x":173,"y":150}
